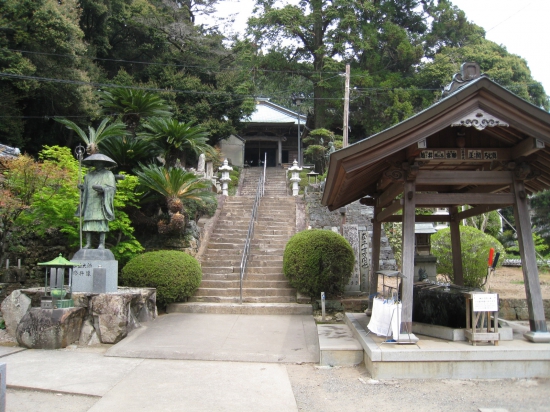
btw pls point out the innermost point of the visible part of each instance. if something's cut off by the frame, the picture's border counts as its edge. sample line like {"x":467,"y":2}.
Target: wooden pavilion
{"x":481,"y":146}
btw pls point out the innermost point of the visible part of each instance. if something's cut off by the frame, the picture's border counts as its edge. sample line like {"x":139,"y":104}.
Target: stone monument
{"x":96,"y":210}
{"x":201,"y":165}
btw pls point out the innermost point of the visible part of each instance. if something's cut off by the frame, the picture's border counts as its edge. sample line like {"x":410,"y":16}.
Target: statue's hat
{"x":98,"y":157}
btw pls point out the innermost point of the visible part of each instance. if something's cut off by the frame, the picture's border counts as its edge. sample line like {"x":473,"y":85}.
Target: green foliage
{"x":174,"y":274}
{"x":196,"y":209}
{"x":129,"y":153}
{"x":540,"y":207}
{"x":486,"y":222}
{"x":49,"y":33}
{"x":318,"y":261}
{"x":233,"y":184}
{"x":94,"y":137}
{"x":25,"y":181}
{"x":475,"y":247}
{"x":53,"y":206}
{"x":173,"y":182}
{"x":179,"y":141}
{"x":131,"y":106}
{"x":121,"y":239}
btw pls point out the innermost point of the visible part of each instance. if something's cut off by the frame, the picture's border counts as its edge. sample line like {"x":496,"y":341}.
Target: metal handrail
{"x":263,"y":180}
{"x":244,"y":260}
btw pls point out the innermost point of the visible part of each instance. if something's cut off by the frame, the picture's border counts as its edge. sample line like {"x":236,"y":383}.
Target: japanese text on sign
{"x":485,"y":302}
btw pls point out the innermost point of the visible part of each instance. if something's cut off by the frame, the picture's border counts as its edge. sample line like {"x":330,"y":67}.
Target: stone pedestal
{"x":50,"y":328}
{"x":90,"y":259}
{"x":427,"y":263}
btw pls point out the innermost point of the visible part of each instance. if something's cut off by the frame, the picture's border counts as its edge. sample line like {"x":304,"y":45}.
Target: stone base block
{"x":83,"y":275}
{"x":50,"y":328}
{"x":538,"y":337}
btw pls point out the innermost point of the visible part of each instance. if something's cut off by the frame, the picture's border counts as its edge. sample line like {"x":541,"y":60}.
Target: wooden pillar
{"x":375,"y":260}
{"x":456,"y":247}
{"x":537,"y":321}
{"x":408,"y":255}
{"x":279,"y":153}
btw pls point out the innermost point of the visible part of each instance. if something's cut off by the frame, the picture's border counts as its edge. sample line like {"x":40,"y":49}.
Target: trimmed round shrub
{"x":475,"y":246}
{"x":174,"y":274}
{"x":318,"y":261}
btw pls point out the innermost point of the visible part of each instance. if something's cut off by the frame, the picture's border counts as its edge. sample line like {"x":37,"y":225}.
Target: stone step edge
{"x":241,"y":309}
{"x":338,"y":346}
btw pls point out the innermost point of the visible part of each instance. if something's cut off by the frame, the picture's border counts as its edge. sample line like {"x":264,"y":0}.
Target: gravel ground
{"x":325,"y":389}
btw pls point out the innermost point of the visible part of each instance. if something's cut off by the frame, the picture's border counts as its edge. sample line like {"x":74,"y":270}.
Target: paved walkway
{"x":167,"y":366}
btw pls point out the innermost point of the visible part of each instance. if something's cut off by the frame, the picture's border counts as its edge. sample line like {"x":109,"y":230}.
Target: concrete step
{"x":268,"y":277}
{"x":248,"y":292}
{"x":215,"y":261}
{"x":219,"y":270}
{"x":265,"y":260}
{"x":235,"y":281}
{"x":249,"y":299}
{"x":338,"y":346}
{"x":241,"y":309}
{"x":223,"y":255}
{"x":219,"y":245}
{"x":264,"y":270}
{"x":207,"y":284}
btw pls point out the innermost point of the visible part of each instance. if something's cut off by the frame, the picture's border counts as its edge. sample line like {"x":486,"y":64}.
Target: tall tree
{"x":377,"y":37}
{"x":41,"y":42}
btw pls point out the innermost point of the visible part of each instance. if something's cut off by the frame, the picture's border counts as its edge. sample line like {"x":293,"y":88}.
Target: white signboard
{"x":485,"y":302}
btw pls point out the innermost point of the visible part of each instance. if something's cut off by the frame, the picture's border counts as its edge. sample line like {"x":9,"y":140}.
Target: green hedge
{"x":475,"y":246}
{"x":318,"y":261}
{"x":174,"y":274}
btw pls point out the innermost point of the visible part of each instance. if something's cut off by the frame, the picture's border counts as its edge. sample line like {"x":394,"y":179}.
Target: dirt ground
{"x":508,"y":283}
{"x":349,"y":389}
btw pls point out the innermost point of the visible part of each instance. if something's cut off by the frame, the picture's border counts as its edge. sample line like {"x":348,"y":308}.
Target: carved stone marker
{"x":90,"y":259}
{"x":351,"y":233}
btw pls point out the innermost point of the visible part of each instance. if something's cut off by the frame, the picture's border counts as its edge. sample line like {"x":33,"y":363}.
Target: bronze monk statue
{"x":98,"y":193}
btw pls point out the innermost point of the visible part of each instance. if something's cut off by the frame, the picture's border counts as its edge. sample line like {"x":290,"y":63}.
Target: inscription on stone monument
{"x":351,"y":233}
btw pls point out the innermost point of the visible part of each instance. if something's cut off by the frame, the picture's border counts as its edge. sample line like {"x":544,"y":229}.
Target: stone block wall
{"x":516,"y":309}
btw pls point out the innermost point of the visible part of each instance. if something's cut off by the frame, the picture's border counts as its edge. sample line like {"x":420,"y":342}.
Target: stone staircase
{"x":265,"y":288}
{"x":276,"y":184}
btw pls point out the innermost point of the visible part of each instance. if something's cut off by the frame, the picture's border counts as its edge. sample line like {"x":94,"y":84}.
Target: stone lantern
{"x":57,"y":292}
{"x":295,"y":169}
{"x":225,"y":169}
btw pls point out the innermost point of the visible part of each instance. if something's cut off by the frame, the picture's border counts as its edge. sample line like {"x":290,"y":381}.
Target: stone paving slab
{"x":172,"y":385}
{"x":66,"y":371}
{"x":9,"y":350}
{"x":224,"y":337}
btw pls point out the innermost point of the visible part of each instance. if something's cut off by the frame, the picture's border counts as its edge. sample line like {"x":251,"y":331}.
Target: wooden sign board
{"x":485,"y":302}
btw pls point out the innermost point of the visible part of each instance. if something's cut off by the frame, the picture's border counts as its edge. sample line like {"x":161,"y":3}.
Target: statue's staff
{"x":79,"y":151}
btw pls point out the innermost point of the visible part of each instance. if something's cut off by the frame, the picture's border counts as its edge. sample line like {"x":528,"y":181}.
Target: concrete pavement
{"x":240,"y":338}
{"x":167,"y":366}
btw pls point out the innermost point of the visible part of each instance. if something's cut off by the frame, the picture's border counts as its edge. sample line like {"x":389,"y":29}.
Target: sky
{"x":523,"y":27}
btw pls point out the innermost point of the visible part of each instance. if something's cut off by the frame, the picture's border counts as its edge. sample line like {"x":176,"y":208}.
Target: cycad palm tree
{"x":132,"y":105}
{"x":178,"y":140}
{"x":175,"y":184}
{"x":95,"y":136}
{"x":129,"y":153}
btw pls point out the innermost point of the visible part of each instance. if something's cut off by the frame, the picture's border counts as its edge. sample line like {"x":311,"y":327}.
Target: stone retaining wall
{"x":516,"y":309}
{"x":105,"y":318}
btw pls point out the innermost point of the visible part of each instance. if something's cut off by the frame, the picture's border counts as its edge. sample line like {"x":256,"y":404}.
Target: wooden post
{"x":407,"y":250}
{"x":375,"y":260}
{"x":537,"y":321}
{"x":456,"y":247}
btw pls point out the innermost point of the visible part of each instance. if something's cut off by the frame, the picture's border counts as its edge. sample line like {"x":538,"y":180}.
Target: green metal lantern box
{"x":58,"y":291}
